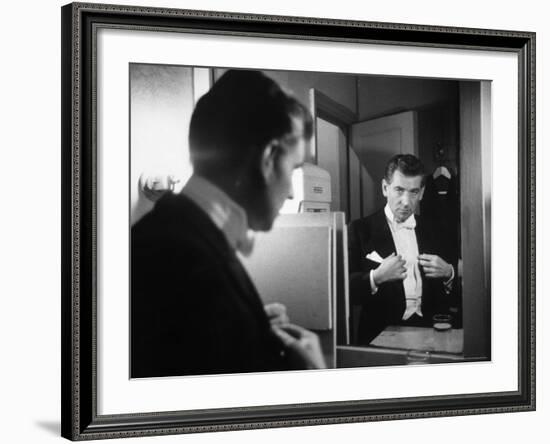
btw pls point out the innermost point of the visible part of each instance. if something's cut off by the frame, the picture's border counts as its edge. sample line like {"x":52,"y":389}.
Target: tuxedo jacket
{"x":194,"y":309}
{"x":387,"y":305}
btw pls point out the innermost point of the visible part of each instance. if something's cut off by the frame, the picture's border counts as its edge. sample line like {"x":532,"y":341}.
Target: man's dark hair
{"x":406,"y":164}
{"x":243,"y":111}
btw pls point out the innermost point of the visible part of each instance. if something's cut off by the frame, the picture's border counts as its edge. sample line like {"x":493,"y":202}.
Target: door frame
{"x":328,"y":109}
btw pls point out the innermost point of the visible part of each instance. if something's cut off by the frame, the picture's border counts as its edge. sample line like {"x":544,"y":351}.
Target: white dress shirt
{"x":226,"y":214}
{"x":406,"y":244}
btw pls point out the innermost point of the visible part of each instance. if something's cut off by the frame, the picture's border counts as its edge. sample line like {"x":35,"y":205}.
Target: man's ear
{"x":421,"y":194}
{"x":385,"y":186}
{"x":267,"y":160}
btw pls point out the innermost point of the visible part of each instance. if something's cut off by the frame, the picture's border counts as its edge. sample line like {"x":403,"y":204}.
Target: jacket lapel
{"x":381,"y":235}
{"x":203,"y":226}
{"x":419,"y":237}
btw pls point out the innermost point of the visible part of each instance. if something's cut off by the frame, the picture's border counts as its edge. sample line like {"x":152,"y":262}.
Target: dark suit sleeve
{"x":191,"y":316}
{"x":436,"y":242}
{"x":359,"y":265}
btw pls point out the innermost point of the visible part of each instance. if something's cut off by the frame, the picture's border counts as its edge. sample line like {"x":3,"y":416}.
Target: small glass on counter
{"x":442,"y":322}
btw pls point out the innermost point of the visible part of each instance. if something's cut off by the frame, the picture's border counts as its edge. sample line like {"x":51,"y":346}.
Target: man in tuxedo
{"x":401,"y":269}
{"x":194,"y":309}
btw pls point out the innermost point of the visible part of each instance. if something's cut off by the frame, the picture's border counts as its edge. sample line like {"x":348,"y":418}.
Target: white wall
{"x":30,"y":223}
{"x":161,"y":103}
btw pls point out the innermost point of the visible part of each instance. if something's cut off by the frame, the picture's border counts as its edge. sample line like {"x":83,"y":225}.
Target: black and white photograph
{"x":293,"y":220}
{"x":273,"y":221}
{"x":277,"y":221}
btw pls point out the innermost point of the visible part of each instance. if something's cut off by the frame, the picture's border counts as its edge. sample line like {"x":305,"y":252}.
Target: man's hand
{"x":435,"y":267}
{"x":276,"y":313}
{"x":392,"y":268}
{"x":302,"y":346}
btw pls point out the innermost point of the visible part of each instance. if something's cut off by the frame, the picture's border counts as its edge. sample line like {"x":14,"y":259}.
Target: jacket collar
{"x":410,"y":223}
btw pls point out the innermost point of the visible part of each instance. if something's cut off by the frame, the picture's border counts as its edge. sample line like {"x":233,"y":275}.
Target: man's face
{"x":288,"y":155}
{"x":403,"y":194}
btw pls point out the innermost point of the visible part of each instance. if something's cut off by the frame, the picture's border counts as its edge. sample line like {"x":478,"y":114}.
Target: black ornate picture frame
{"x":80,"y":419}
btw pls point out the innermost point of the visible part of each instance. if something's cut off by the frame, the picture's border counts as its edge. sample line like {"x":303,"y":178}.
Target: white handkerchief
{"x":374,"y":256}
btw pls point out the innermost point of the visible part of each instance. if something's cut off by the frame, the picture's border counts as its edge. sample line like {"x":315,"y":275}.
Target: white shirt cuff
{"x":373,"y":287}
{"x":448,"y":284}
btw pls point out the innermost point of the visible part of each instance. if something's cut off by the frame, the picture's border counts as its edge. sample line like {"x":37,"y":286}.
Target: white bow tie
{"x":410,"y":224}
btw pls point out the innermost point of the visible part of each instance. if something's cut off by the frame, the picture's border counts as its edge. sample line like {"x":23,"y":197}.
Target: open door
{"x":374,"y":142}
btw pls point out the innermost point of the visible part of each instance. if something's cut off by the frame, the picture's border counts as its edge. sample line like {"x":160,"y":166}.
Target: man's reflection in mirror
{"x":402,"y":268}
